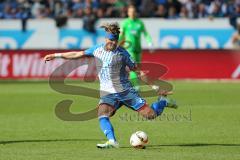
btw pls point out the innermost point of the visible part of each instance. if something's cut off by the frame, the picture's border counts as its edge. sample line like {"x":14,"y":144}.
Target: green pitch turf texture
{"x":205,"y":127}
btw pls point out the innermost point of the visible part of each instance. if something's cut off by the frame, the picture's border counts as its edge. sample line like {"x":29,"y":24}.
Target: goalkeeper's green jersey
{"x":131,"y":30}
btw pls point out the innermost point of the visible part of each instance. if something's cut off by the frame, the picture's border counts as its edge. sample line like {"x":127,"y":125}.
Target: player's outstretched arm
{"x":143,"y":77}
{"x":66,"y":55}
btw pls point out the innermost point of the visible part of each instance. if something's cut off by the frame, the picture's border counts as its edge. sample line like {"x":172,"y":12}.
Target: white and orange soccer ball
{"x":139,"y":139}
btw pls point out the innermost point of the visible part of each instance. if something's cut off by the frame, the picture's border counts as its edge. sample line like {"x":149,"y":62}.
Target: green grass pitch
{"x":205,"y":127}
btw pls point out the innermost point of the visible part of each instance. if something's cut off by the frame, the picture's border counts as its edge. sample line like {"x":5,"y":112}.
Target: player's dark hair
{"x":111,"y":28}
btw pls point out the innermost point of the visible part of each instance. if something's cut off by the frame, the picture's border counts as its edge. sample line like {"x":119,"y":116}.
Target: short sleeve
{"x":90,"y":51}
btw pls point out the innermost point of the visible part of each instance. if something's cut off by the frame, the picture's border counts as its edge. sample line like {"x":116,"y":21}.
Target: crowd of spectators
{"x":169,"y":9}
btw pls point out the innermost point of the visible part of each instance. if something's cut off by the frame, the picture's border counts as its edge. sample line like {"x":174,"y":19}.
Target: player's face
{"x":131,"y":12}
{"x":111,"y":44}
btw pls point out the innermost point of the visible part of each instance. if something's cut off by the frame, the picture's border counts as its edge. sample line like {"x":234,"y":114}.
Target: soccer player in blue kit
{"x":116,"y":89}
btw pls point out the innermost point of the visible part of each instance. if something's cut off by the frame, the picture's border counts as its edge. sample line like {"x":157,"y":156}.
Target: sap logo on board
{"x":195,"y":38}
{"x":77,"y":38}
{"x":14,"y":39}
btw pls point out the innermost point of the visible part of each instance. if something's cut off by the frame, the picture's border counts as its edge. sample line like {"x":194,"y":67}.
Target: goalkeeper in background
{"x":131,"y":31}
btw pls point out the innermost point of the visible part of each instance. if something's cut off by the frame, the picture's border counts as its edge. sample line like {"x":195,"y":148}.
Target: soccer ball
{"x":139,"y":139}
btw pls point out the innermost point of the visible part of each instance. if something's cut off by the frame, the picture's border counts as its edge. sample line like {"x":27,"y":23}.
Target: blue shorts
{"x":129,"y":98}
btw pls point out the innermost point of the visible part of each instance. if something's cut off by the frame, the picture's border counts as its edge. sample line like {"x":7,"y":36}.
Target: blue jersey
{"x":111,"y":68}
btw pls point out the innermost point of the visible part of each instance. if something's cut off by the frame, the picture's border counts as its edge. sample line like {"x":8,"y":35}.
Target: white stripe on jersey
{"x":109,"y":70}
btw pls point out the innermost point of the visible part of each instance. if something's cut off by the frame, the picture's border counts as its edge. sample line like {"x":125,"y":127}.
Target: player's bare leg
{"x":147,"y":112}
{"x":157,"y":107}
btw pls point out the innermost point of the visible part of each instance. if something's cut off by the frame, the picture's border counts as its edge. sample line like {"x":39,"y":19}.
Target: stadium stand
{"x":169,"y":9}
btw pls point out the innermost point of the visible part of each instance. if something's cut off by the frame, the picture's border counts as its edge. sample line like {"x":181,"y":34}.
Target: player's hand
{"x":49,"y":57}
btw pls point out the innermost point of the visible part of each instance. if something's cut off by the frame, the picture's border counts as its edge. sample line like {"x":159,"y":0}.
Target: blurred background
{"x":196,"y":39}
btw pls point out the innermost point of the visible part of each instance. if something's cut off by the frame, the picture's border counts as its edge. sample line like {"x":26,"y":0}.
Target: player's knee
{"x":105,"y":110}
{"x":150,"y":115}
{"x":112,"y":113}
{"x":147,"y":113}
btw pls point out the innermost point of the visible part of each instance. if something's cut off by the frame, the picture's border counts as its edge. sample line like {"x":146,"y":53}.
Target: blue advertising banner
{"x":14,"y":39}
{"x":166,"y":34}
{"x":194,"y":38}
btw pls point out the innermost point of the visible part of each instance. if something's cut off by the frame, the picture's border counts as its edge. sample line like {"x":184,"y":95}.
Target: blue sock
{"x":159,"y":106}
{"x":107,"y":128}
